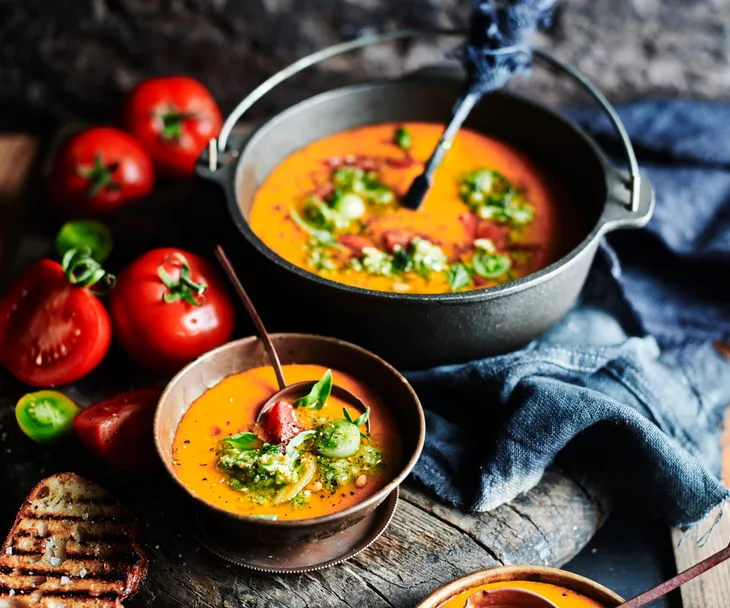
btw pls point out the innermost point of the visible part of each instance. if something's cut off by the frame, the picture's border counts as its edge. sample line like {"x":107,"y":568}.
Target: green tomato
{"x":45,"y":416}
{"x":337,"y":438}
{"x":85,"y":234}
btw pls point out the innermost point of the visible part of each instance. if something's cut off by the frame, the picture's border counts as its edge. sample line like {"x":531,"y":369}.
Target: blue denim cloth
{"x":627,"y":393}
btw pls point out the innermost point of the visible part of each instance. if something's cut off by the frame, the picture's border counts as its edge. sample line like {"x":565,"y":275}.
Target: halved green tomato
{"x":338,"y":438}
{"x":85,"y":234}
{"x":45,"y":416}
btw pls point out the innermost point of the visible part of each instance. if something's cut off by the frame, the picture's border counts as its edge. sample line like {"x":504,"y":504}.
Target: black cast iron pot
{"x":419,"y":330}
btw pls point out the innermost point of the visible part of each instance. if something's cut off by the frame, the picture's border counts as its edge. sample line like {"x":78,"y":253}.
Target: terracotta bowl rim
{"x":476,"y":578}
{"x":371,"y":501}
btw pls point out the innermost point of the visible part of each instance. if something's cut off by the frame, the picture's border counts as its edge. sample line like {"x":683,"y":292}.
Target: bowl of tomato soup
{"x":497,"y":253}
{"x":307,"y":469}
{"x":564,"y":589}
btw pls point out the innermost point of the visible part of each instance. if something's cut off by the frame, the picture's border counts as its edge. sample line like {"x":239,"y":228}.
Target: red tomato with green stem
{"x":98,"y":171}
{"x":53,"y":329}
{"x":119,"y":430}
{"x":169,"y":307}
{"x":174,"y":118}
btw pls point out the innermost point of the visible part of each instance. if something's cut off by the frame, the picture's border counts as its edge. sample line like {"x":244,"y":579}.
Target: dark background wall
{"x":75,"y":58}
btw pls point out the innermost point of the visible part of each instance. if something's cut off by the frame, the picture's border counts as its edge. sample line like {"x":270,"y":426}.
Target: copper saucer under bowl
{"x":301,"y":557}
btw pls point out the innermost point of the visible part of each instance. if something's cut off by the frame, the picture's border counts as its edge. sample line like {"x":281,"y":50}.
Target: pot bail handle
{"x":634,"y":181}
{"x":217,"y":147}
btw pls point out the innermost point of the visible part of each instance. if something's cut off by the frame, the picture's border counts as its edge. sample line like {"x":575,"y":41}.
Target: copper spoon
{"x":511,"y":597}
{"x":285,"y":393}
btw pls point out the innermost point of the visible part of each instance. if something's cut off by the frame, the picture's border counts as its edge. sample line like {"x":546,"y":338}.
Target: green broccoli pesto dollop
{"x":331,"y":453}
{"x":260,"y":472}
{"x":491,"y":196}
{"x":336,"y":472}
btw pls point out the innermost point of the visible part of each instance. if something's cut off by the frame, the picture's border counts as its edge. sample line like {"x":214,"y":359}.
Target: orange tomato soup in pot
{"x":491,"y":216}
{"x":560,"y":596}
{"x":305,"y":459}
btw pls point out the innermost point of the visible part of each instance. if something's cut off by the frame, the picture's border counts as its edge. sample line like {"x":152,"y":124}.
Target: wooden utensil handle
{"x":648,"y":596}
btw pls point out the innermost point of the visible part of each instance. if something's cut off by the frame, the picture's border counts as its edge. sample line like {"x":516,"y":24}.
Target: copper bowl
{"x":539,"y":574}
{"x":238,"y":356}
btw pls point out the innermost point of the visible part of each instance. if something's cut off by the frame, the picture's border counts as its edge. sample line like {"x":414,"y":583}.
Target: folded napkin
{"x":627,"y":393}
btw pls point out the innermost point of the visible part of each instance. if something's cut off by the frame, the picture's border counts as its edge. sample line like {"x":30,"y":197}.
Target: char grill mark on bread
{"x":72,"y":545}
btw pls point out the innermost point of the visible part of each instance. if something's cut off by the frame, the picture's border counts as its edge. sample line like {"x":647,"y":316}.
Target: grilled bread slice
{"x":72,"y":544}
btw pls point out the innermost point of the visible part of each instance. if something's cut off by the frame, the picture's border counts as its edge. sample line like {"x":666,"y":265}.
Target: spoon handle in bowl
{"x":655,"y":592}
{"x":225,"y":262}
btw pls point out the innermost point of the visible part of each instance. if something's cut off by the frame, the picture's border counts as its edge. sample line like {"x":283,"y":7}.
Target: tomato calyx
{"x":82,"y":270}
{"x":99,"y":176}
{"x":172,"y":122}
{"x":182,"y":288}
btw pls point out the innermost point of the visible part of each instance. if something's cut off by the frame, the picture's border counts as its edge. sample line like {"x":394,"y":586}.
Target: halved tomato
{"x":281,"y":423}
{"x":52,"y":331}
{"x":119,"y":429}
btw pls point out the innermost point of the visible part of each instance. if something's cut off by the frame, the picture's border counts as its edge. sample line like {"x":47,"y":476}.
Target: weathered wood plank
{"x":76,"y":58}
{"x":712,"y":589}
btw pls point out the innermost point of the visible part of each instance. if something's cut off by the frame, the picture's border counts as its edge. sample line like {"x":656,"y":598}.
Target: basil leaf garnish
{"x":458,"y":276}
{"x":402,"y":138}
{"x":243,"y":441}
{"x":321,"y":236}
{"x":319,"y":394}
{"x":361,"y":420}
{"x":296,"y":441}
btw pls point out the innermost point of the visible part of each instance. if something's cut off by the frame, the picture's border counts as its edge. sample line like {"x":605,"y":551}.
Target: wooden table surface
{"x":426,"y":545}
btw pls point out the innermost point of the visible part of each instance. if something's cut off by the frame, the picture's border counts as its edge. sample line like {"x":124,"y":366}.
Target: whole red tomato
{"x":174,"y":118}
{"x":53,"y":330}
{"x":119,"y":429}
{"x":98,"y":171}
{"x":169,"y":307}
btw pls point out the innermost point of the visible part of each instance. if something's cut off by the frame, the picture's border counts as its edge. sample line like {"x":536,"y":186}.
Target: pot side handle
{"x":617,"y":214}
{"x":224,"y":166}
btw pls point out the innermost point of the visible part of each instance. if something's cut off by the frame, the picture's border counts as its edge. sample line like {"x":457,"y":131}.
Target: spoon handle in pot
{"x":225,"y":262}
{"x":420,"y":186}
{"x":649,"y":596}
